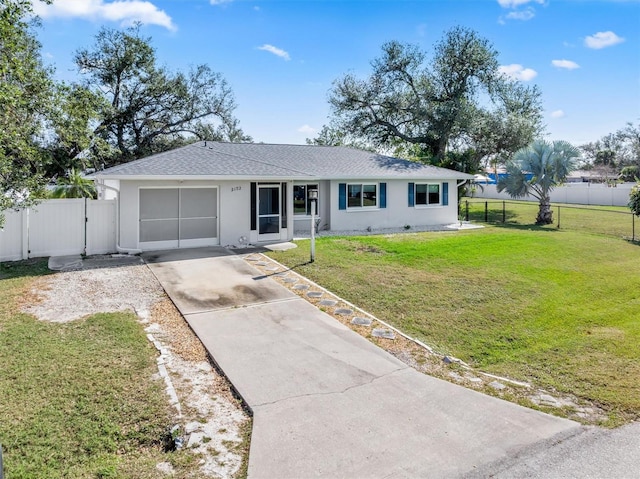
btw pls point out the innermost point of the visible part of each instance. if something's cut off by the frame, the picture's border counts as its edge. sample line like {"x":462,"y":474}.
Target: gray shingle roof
{"x":259,"y":160}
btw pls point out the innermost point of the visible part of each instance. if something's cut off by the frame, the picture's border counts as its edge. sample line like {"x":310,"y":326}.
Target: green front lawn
{"x":560,"y":309}
{"x":77,"y":399}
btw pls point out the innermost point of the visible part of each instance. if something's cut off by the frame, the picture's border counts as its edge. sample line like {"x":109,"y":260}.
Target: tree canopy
{"x":147,"y":108}
{"x":74,"y":185}
{"x":457,"y":101}
{"x":536,"y":170}
{"x":25,"y":106}
{"x":615,"y":154}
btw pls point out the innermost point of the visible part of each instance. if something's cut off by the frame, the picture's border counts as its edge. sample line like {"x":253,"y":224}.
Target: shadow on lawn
{"x":292,"y":268}
{"x":27,"y":267}
{"x":530,"y":227}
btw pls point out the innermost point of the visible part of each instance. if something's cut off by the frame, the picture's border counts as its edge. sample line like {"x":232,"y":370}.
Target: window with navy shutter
{"x":411,"y":194}
{"x":383,"y":195}
{"x":445,"y":194}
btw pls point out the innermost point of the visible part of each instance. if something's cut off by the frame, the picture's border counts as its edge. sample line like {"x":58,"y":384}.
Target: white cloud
{"x":517,"y":3}
{"x":307,"y":129}
{"x":518,"y":72}
{"x":126,"y":12}
{"x":566,"y":64}
{"x":602,"y":40}
{"x":219,"y":2}
{"x":557,"y":114}
{"x":523,"y":15}
{"x":275,"y":50}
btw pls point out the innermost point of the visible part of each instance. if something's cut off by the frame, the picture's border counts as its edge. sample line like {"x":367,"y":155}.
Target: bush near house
{"x":634,"y":200}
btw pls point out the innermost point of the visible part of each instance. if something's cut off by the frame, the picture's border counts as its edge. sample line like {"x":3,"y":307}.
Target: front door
{"x":268,"y":212}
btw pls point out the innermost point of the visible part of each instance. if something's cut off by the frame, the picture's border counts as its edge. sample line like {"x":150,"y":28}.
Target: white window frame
{"x":362,"y":207}
{"x":427,"y":204}
{"x":307,"y":213}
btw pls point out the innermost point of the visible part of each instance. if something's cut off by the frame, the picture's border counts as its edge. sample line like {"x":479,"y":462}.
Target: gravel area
{"x":71,"y":295}
{"x":211,"y":420}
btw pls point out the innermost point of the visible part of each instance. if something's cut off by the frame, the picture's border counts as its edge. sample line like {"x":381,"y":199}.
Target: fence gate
{"x":59,"y":227}
{"x":101,"y":226}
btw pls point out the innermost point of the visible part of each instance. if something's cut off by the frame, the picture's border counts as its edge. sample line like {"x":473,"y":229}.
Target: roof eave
{"x":124,"y":177}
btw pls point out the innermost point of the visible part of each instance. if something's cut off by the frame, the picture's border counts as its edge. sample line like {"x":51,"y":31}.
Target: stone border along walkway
{"x":421,"y":356}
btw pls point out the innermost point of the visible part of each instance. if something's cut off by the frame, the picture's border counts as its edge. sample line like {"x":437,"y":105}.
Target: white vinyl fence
{"x":572,"y":193}
{"x":59,"y":227}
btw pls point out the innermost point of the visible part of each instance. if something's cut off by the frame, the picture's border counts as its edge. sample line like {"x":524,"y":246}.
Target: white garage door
{"x":178,"y":217}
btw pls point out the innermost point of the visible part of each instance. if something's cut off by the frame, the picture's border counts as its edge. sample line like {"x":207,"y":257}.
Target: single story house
{"x":214,"y":193}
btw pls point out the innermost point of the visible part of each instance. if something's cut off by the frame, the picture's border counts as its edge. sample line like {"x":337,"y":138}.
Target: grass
{"x":610,"y":220}
{"x":556,"y":308}
{"x":77,"y":399}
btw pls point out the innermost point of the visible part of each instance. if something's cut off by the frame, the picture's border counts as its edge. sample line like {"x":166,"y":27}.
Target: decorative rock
{"x":455,"y":376}
{"x":361,"y":321}
{"x":447,"y":360}
{"x":301,"y":286}
{"x":547,"y":400}
{"x":291,"y":280}
{"x":195,"y":439}
{"x":473,"y":379}
{"x":383,"y":333}
{"x":261,"y":263}
{"x":272,"y":268}
{"x":328,"y":302}
{"x":281,"y":274}
{"x":251,"y":258}
{"x":496,"y":385}
{"x":315,"y":294}
{"x":343,"y":311}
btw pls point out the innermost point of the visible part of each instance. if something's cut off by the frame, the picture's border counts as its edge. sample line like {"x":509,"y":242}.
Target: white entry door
{"x":268,"y":208}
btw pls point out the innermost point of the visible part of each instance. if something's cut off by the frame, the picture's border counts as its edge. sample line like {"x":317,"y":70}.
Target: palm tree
{"x":74,"y":186}
{"x":536,"y":170}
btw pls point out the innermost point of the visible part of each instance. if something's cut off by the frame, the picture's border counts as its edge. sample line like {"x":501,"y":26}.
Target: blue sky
{"x":281,"y":56}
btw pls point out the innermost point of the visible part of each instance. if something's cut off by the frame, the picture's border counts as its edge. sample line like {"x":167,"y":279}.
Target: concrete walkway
{"x":327,"y":402}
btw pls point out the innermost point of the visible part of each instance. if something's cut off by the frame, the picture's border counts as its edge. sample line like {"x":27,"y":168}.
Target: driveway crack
{"x":355,"y":386}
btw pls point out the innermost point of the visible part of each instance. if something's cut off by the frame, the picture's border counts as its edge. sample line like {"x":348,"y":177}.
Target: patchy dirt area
{"x":423,"y":358}
{"x":209,"y":420}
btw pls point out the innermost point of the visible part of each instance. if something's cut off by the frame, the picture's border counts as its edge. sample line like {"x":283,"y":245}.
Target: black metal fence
{"x":602,"y":220}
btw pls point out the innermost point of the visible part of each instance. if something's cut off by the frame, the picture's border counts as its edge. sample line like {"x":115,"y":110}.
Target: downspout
{"x":119,"y":248}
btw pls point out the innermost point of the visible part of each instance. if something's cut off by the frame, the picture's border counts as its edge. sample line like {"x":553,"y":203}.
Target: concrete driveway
{"x":327,"y":402}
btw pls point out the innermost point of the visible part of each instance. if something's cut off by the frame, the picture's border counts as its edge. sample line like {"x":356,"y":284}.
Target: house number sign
{"x":236,"y":188}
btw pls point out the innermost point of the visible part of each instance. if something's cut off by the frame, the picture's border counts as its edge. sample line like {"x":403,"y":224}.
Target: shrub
{"x":634,"y":200}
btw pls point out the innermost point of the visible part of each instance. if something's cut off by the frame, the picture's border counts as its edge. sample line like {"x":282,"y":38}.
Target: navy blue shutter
{"x":383,"y":195}
{"x":342,"y":196}
{"x":254,"y":219}
{"x":283,"y":202}
{"x":445,"y":194}
{"x":412,"y":201}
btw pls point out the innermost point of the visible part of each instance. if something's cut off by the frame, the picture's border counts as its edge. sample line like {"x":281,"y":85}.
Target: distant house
{"x":211,"y":193}
{"x":591,"y":176}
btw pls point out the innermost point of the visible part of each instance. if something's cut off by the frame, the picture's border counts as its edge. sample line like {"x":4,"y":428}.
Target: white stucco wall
{"x":108,"y":189}
{"x":397,"y":214}
{"x":233,"y":198}
{"x":234,"y":209}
